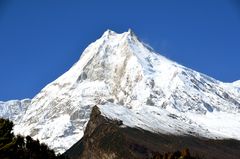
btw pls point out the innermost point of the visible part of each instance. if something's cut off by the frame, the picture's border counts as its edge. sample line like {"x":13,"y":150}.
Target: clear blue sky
{"x":41,"y":39}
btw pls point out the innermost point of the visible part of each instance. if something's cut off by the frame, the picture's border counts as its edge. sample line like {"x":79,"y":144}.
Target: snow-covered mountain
{"x":132,"y":83}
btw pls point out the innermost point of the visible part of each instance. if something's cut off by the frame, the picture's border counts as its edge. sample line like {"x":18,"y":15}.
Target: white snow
{"x":14,"y":109}
{"x":236,"y":83}
{"x":224,"y":124}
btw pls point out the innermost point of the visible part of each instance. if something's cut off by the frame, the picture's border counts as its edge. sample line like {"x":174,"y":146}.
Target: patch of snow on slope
{"x":224,"y":124}
{"x":14,"y":109}
{"x":54,"y":132}
{"x":236,"y":83}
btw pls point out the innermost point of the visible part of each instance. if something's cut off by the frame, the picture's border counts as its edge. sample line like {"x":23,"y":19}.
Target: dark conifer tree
{"x":19,"y":147}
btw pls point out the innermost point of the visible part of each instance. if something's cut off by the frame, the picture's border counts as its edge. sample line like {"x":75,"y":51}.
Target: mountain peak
{"x":131,"y":83}
{"x":108,"y":32}
{"x":130,"y":32}
{"x":129,"y":35}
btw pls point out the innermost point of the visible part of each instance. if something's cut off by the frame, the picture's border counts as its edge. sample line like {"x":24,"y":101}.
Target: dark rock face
{"x":108,"y":139}
{"x":99,"y":136}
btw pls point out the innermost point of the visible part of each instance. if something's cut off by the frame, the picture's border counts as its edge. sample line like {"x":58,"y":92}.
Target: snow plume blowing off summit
{"x":129,"y":82}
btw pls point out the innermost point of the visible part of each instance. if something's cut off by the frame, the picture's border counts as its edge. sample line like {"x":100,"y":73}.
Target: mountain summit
{"x":129,"y":82}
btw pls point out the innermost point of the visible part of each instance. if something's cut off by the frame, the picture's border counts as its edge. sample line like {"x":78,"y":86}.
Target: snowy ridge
{"x":236,"y":83}
{"x":132,"y":83}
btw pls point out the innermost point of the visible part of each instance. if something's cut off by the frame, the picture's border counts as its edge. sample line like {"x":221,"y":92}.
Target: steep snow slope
{"x":134,"y":84}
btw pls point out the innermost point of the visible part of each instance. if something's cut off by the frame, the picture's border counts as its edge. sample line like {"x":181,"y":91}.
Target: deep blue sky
{"x":40,"y":40}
